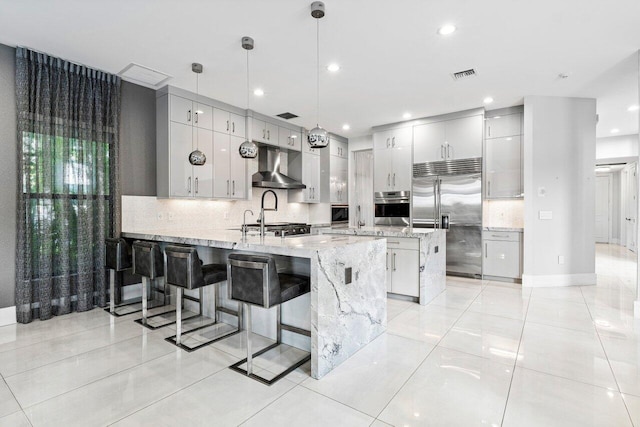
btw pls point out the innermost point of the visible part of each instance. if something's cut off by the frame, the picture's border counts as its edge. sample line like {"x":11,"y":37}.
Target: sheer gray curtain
{"x":68,"y":189}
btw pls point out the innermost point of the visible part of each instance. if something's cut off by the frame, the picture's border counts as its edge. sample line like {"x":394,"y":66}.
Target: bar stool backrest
{"x":183,"y":267}
{"x":253,"y":279}
{"x":118,"y":254}
{"x":147,"y":259}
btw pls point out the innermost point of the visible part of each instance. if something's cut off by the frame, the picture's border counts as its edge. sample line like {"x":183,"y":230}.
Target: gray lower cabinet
{"x":502,"y":254}
{"x":403,"y":266}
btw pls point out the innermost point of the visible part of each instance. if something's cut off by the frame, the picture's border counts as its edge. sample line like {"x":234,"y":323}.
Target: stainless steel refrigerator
{"x":448,"y":195}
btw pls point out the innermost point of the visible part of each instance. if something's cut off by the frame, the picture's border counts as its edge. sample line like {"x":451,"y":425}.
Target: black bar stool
{"x":254,"y":280}
{"x":184,"y":270}
{"x":148,"y":263}
{"x":117,"y":260}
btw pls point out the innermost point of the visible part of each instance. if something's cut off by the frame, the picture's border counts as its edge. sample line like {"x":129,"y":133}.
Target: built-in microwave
{"x":392,"y":208}
{"x":339,"y":215}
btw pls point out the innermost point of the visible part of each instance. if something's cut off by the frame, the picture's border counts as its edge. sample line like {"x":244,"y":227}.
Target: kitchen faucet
{"x":262,"y":210}
{"x":244,"y":222}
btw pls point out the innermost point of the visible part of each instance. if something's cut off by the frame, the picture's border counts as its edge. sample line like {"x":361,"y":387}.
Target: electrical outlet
{"x":560,"y":259}
{"x":160,"y":216}
{"x":347,"y":275}
{"x":171,"y":216}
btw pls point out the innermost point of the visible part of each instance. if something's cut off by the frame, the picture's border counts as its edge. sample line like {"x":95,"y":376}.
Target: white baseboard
{"x":7,"y":316}
{"x":558,"y":280}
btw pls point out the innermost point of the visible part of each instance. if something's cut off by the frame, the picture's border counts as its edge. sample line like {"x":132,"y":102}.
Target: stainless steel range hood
{"x":268,"y":175}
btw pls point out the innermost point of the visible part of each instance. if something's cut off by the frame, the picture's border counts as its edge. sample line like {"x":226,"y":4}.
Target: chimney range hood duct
{"x":268,"y":175}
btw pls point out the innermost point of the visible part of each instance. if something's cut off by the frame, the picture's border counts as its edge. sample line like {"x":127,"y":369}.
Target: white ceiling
{"x":392,"y":59}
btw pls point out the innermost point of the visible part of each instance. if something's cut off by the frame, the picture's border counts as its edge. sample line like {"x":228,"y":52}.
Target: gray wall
{"x":559,"y":157}
{"x":138,"y":141}
{"x":8,"y":175}
{"x":137,"y":154}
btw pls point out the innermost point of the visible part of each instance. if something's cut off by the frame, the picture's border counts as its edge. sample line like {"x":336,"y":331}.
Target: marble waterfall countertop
{"x":432,"y":262}
{"x":344,"y":315}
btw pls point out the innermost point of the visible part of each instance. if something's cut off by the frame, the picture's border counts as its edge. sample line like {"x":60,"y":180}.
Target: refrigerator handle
{"x":435,"y":203}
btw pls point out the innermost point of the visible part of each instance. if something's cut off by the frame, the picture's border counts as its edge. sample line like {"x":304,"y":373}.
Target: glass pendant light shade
{"x":318,"y":137}
{"x":197,"y":157}
{"x":248,"y":149}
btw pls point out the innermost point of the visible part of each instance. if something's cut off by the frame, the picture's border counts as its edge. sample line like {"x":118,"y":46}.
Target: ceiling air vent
{"x":287,"y":116}
{"x":464,"y":74}
{"x":144,"y":76}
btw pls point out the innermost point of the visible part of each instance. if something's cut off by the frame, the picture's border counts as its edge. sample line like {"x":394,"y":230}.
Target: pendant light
{"x":317,"y":137}
{"x":248,"y":149}
{"x":197,"y":157}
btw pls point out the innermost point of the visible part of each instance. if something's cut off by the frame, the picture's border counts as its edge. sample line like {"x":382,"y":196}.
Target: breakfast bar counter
{"x":347,"y":274}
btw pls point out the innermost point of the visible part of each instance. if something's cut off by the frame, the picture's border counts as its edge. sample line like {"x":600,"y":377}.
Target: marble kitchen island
{"x":432,"y":263}
{"x":344,"y":317}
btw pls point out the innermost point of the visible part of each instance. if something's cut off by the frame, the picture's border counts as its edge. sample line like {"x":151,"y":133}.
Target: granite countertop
{"x":382,"y":231}
{"x":515,"y":229}
{"x":304,"y":245}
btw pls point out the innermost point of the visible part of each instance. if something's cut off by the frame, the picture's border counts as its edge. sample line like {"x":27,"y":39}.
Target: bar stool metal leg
{"x":178,"y":314}
{"x":249,"y":352}
{"x":112,"y":290}
{"x":145,"y":283}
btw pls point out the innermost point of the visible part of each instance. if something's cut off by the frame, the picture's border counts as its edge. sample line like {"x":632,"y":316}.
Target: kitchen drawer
{"x":502,"y":259}
{"x":403,"y":243}
{"x":508,"y":236}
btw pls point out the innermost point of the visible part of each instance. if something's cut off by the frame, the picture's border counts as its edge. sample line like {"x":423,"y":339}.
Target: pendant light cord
{"x":317,"y":72}
{"x":197,"y":105}
{"x":248,"y":97}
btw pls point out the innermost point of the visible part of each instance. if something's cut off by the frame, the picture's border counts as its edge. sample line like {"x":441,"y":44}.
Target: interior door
{"x":603,"y":203}
{"x":631,"y":211}
{"x":424,"y":202}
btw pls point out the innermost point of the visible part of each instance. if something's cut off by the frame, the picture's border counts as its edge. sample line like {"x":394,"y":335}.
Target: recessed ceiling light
{"x":346,"y":127}
{"x":333,"y":67}
{"x":633,"y":108}
{"x":258,"y":92}
{"x":406,"y":116}
{"x":446,"y":29}
{"x":615,"y":130}
{"x":488,"y":100}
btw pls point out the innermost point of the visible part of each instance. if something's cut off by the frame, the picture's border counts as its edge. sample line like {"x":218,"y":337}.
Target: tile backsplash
{"x":503,"y":213}
{"x":147,"y":212}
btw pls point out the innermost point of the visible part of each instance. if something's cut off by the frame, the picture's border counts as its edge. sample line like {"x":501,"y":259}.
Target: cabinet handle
{"x":488,"y":188}
{"x":489,"y":130}
{"x":196,"y":185}
{"x":388,"y":180}
{"x":394,"y":261}
{"x":393,"y":141}
{"x":227,"y":187}
{"x":394,"y":180}
{"x":264,"y":134}
{"x":189,"y":185}
{"x":269,"y":135}
{"x":233,"y":127}
{"x":196,"y":117}
{"x":188,"y":115}
{"x":233,"y":192}
{"x":387,"y":260}
{"x":227,"y":125}
{"x":485,"y":250}
{"x":448,"y":151}
{"x":442,"y":151}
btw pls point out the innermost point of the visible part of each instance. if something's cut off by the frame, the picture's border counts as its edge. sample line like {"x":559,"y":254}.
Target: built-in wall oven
{"x":339,"y":215}
{"x":392,"y":208}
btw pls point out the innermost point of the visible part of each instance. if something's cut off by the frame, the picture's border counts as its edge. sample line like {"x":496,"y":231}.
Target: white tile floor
{"x":482,"y":353}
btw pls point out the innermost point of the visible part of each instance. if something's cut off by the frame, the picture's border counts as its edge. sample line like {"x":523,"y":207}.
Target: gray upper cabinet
{"x":501,"y":126}
{"x":264,"y":132}
{"x":392,"y":160}
{"x":448,"y":140}
{"x":229,"y":123}
{"x":503,"y":157}
{"x":190,"y":113}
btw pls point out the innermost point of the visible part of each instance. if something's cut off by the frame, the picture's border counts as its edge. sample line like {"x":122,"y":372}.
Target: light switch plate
{"x":545,"y":215}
